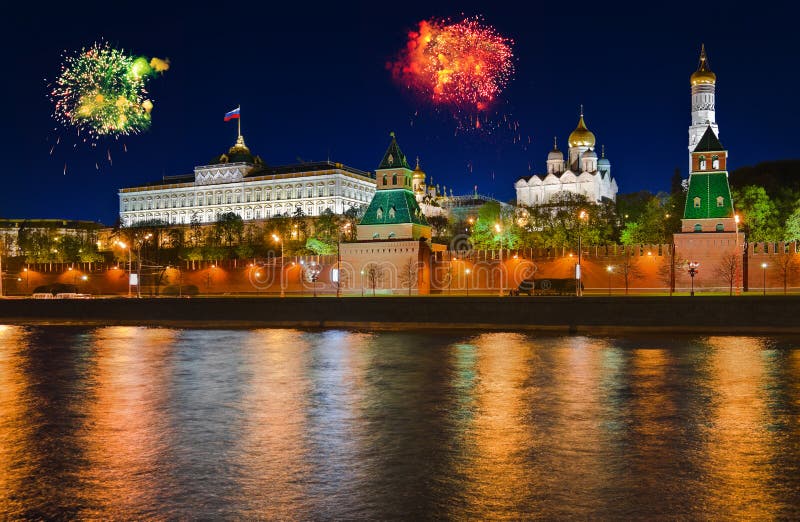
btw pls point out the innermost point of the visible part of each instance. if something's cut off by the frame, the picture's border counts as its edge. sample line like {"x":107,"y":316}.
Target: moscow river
{"x":158,"y":423}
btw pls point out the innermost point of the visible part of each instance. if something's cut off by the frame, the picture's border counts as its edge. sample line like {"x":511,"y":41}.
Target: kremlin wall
{"x":440,"y":273}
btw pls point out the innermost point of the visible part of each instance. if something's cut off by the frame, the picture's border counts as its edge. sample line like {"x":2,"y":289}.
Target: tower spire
{"x":555,"y":142}
{"x":581,"y":110}
{"x":602,"y":151}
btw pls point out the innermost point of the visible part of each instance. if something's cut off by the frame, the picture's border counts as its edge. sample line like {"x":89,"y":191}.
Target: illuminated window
{"x":702,"y":163}
{"x":714,"y":162}
{"x":697,"y":202}
{"x":720,"y":201}
{"x":379,"y":214}
{"x":392,"y":212}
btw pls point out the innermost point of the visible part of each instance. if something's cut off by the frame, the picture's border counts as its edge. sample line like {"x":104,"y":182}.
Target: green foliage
{"x":229,"y":227}
{"x":439,"y":226}
{"x":758,"y":213}
{"x":485,"y":233}
{"x":652,"y":225}
{"x":321,"y":247}
{"x":791,"y":231}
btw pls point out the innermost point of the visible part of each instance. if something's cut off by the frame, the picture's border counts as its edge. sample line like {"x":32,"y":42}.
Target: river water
{"x":158,"y":423}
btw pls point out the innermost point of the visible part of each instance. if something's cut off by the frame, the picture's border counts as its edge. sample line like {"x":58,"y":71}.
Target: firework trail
{"x":465,"y":65}
{"x":101,"y":91}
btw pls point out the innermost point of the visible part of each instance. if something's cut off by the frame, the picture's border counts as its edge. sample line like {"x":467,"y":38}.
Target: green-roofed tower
{"x":709,"y":207}
{"x":393,"y":212}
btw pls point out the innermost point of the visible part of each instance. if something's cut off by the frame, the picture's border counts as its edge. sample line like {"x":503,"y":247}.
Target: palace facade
{"x":241,"y":183}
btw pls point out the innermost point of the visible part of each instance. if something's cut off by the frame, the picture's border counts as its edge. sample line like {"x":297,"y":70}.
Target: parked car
{"x":550,"y":286}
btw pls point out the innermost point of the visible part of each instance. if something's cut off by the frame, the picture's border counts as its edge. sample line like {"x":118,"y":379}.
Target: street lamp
{"x":610,"y":270}
{"x":694,"y":268}
{"x":467,"y":272}
{"x":339,"y":260}
{"x":130,"y":264}
{"x":583,"y":216}
{"x":764,"y":278}
{"x":277,"y":239}
{"x":499,"y":230}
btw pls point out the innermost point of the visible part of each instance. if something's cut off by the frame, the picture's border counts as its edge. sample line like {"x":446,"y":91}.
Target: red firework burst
{"x":464,"y":64}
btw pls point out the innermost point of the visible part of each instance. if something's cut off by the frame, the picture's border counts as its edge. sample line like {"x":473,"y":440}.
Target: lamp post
{"x":610,"y":270}
{"x":499,"y":230}
{"x":581,"y":218}
{"x":130,"y":264}
{"x":694,"y":268}
{"x":339,"y":260}
{"x":278,"y":239}
{"x":764,"y":278}
{"x":467,"y":272}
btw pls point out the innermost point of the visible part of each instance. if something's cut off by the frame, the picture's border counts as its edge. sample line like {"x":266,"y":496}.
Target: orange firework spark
{"x":464,"y":64}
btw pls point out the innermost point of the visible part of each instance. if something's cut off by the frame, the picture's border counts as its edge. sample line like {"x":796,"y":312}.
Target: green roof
{"x":402,"y":201}
{"x":394,"y":157}
{"x":709,"y":142}
{"x":708,"y":187}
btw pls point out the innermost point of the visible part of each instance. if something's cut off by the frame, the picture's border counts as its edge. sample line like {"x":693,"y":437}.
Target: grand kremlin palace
{"x":242,"y":183}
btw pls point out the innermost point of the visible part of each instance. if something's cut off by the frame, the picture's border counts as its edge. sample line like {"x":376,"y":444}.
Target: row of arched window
{"x":704,"y":165}
{"x":230,"y":197}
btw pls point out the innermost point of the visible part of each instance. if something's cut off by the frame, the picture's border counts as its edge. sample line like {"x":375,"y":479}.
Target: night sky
{"x":312,"y":83}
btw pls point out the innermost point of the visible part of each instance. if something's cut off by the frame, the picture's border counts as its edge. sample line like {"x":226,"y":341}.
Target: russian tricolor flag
{"x":233,"y":114}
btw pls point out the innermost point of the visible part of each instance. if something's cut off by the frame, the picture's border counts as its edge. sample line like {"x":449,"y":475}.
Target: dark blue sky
{"x":312,"y":84}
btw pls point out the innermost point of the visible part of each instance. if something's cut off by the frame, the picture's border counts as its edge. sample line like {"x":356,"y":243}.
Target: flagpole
{"x":239,"y":120}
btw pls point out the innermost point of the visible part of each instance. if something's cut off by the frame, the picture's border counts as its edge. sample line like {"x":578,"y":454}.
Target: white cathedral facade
{"x":582,"y":173}
{"x":241,"y":183}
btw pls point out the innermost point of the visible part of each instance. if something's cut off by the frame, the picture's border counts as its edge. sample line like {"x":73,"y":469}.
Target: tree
{"x":352,"y":216}
{"x":439,"y":226}
{"x":650,"y":227}
{"x":728,"y":270}
{"x":375,"y":275}
{"x":408,"y":275}
{"x":758,"y":213}
{"x":786,"y":263}
{"x":320,"y":247}
{"x":629,"y":268}
{"x":229,"y":227}
{"x":791,"y":230}
{"x":485,"y":233}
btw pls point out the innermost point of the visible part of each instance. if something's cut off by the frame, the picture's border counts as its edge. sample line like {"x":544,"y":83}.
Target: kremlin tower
{"x":709,"y":230}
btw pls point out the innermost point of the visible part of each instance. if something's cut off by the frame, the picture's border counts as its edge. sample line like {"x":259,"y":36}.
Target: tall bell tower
{"x":703,"y":83}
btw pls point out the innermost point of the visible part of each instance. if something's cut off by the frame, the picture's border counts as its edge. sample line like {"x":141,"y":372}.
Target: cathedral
{"x":582,"y":173}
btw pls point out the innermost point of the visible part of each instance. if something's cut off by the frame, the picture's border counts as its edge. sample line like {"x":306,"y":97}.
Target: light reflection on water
{"x":122,"y":423}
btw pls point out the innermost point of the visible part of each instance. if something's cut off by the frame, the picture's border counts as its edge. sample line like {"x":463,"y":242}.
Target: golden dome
{"x":703,"y":74}
{"x":418,"y":172}
{"x":581,"y":136}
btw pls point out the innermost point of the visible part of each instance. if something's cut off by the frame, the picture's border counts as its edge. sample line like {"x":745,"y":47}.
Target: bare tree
{"x":728,"y":270}
{"x":375,"y":275}
{"x":629,"y":268}
{"x":787,"y":267}
{"x":408,"y":275}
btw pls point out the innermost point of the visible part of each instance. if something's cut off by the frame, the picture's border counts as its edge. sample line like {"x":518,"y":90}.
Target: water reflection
{"x":139,"y":423}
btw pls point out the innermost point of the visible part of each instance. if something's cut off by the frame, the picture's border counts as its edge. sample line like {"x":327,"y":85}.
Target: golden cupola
{"x":703,"y":74}
{"x":581,"y":136}
{"x":418,"y":172}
